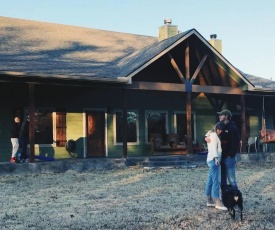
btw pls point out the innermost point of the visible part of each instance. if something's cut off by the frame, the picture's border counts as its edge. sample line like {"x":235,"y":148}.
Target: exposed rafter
{"x":174,"y":64}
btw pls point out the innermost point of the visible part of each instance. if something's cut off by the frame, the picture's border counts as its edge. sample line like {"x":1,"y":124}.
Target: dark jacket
{"x":230,"y":140}
{"x":15,"y":130}
{"x":24,"y":133}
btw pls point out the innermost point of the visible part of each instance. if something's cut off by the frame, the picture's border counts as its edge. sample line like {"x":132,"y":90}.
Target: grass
{"x":133,"y":198}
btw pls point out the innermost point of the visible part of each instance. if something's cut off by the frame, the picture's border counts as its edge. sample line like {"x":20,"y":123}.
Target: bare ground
{"x":133,"y":198}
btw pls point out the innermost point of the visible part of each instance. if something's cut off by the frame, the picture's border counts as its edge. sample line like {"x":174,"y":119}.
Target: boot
{"x":219,"y":205}
{"x":210,"y":202}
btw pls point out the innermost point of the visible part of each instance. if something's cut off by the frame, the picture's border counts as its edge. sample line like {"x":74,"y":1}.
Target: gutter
{"x":67,"y":77}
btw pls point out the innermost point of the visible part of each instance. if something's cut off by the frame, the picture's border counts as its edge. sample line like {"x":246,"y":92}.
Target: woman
{"x":212,"y":189}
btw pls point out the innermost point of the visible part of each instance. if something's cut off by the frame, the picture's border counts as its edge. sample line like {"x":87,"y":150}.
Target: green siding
{"x":75,"y":131}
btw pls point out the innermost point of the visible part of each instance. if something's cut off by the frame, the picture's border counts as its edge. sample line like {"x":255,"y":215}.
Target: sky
{"x":246,"y":27}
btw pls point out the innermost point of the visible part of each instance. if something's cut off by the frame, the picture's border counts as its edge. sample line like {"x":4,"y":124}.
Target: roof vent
{"x":213,"y":36}
{"x":167,"y":21}
{"x":167,"y":30}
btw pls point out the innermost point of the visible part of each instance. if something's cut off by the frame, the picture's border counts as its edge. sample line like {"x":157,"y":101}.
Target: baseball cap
{"x":225,"y":112}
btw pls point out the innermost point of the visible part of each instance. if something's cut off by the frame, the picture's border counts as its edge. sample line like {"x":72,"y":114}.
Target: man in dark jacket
{"x":24,"y":140}
{"x":230,"y":141}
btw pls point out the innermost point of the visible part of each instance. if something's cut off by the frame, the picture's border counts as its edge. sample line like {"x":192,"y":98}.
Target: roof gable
{"x":53,"y":51}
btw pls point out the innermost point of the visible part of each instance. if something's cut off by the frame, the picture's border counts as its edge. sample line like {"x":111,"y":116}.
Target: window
{"x":61,"y":128}
{"x":132,"y":131}
{"x":181,"y":126}
{"x":156,"y":122}
{"x":43,"y":126}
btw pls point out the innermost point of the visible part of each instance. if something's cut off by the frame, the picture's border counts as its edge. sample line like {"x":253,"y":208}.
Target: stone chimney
{"x":216,"y":43}
{"x":167,"y":30}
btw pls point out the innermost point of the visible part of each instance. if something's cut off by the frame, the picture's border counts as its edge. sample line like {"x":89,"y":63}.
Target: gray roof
{"x":40,"y":49}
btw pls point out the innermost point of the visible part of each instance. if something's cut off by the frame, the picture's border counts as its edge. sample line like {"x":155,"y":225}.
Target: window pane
{"x":43,"y":126}
{"x":156,"y":123}
{"x":131,"y":127}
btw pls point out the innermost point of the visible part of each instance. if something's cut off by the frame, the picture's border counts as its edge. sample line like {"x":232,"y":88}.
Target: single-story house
{"x":111,"y":92}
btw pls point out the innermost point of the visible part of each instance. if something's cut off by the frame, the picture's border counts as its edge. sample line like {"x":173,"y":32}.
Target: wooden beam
{"x":198,"y":69}
{"x":174,"y":87}
{"x":174,"y":64}
{"x":226,"y":71}
{"x":188,"y":100}
{"x":124,"y":118}
{"x":243,"y":134}
{"x":31,"y":123}
{"x":187,"y":62}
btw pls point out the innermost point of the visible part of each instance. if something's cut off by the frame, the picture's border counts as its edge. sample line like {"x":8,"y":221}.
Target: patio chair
{"x":252,"y":141}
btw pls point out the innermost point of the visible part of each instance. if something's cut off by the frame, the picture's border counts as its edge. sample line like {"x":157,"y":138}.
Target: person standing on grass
{"x":230,"y":140}
{"x":212,"y":188}
{"x":15,"y":131}
{"x":24,"y":139}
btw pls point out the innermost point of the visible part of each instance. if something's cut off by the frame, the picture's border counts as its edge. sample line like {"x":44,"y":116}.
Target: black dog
{"x":231,"y":197}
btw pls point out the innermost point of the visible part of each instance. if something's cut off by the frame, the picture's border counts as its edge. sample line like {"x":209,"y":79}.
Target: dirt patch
{"x":133,"y":198}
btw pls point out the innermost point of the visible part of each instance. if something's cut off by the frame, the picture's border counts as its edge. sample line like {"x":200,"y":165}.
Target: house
{"x":111,"y":91}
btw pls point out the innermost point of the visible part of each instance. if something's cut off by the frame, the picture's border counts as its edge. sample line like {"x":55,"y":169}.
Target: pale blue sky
{"x":246,"y":27}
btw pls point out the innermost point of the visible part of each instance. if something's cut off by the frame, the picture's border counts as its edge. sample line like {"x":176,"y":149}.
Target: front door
{"x":95,"y":121}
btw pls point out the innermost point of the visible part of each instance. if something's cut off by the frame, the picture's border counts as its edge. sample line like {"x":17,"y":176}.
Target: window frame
{"x":146,"y":122}
{"x":26,"y":112}
{"x":115,"y":126}
{"x":184,"y":113}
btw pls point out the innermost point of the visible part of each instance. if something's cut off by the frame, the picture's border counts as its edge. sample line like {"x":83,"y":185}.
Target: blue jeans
{"x":212,"y":187}
{"x":228,"y":172}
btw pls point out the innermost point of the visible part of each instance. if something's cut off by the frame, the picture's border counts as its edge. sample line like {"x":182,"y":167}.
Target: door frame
{"x":85,"y":110}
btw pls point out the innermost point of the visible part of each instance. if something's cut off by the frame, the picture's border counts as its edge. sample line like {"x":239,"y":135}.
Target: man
{"x":24,"y":140}
{"x":230,"y":141}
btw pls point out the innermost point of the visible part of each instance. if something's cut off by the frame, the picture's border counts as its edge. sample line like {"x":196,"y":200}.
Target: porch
{"x":90,"y":164}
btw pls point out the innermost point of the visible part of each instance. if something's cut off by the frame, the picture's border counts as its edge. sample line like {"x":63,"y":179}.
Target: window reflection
{"x":131,"y":127}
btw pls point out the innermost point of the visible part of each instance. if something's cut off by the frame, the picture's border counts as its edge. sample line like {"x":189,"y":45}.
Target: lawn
{"x":133,"y":198}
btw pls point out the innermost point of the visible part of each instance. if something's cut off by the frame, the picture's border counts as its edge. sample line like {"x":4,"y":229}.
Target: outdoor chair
{"x":252,"y":141}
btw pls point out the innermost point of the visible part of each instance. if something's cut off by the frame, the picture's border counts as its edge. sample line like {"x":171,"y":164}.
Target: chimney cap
{"x":213,"y":36}
{"x":167,"y":21}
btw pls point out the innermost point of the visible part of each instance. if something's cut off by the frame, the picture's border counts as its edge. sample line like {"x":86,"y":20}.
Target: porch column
{"x":243,"y":134}
{"x":31,"y":123}
{"x":125,"y":123}
{"x":188,"y":100}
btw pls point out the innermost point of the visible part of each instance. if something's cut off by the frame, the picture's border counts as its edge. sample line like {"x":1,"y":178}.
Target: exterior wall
{"x":76,"y":100}
{"x":254,"y":125}
{"x":75,"y":131}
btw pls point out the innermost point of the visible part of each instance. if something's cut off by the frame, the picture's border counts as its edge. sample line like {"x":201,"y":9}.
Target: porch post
{"x":243,"y":134}
{"x":124,"y":118}
{"x":31,"y":123}
{"x":188,"y":100}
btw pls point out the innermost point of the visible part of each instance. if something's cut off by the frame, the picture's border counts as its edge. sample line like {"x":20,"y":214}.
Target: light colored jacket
{"x":214,"y":147}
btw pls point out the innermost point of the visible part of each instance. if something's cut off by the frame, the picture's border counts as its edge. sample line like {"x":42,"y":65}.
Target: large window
{"x":156,"y":122}
{"x":43,"y":126}
{"x":181,"y":126}
{"x":132,"y":130}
